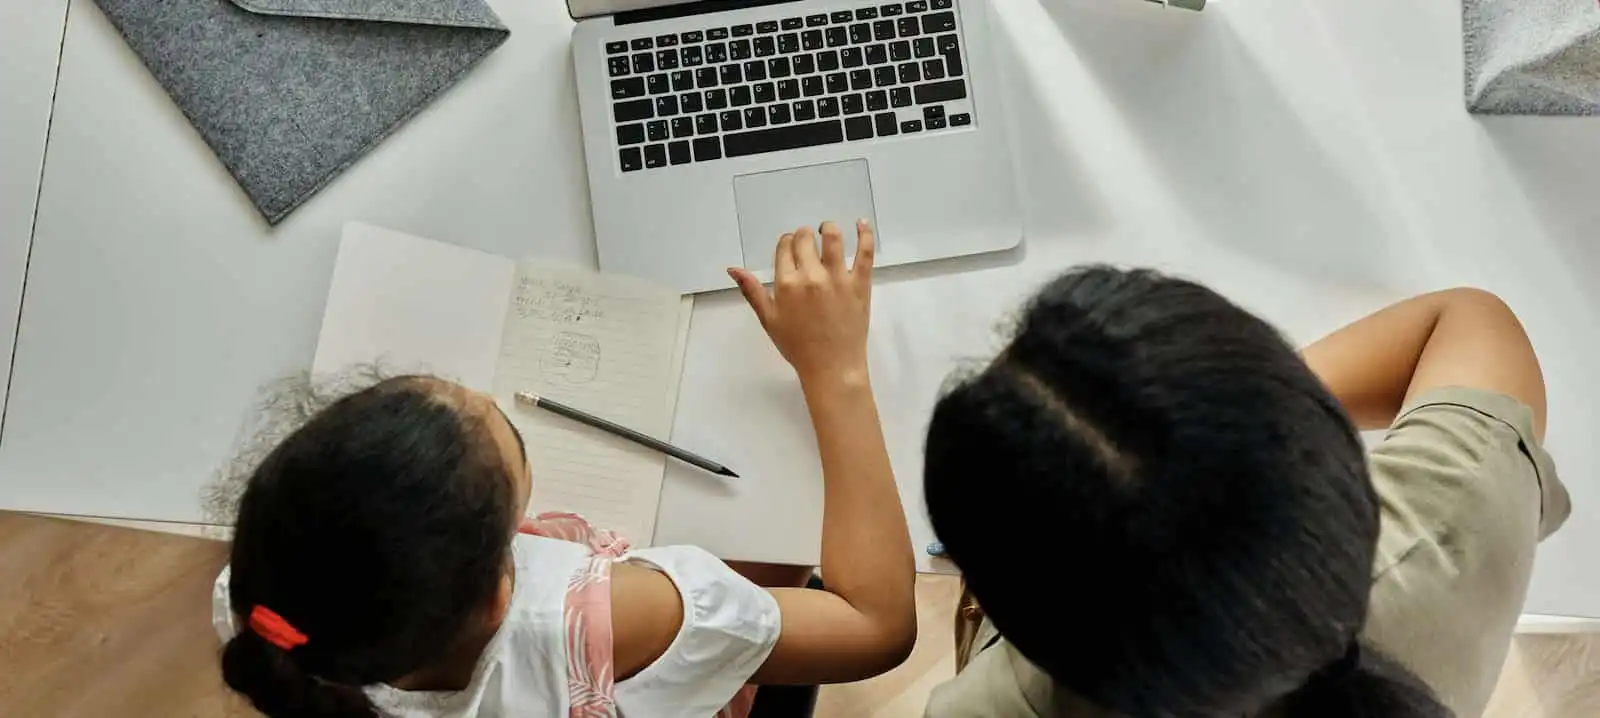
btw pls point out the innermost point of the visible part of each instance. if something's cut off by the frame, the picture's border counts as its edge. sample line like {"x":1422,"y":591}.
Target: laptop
{"x":712,"y":127}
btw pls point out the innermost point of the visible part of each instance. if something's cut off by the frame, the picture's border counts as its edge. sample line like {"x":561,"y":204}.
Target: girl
{"x":381,"y":563}
{"x":1224,"y":546}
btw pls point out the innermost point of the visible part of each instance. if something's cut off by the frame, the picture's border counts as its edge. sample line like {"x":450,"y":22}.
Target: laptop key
{"x":811,"y":40}
{"x":939,"y":22}
{"x":618,"y":66}
{"x":755,"y":71}
{"x":900,"y":97}
{"x":740,"y":50}
{"x":682,"y":127}
{"x":866,"y":13}
{"x":678,"y":153}
{"x":666,"y":106}
{"x":667,"y":59}
{"x":899,"y":51}
{"x":909,"y":27}
{"x":923,"y":47}
{"x":933,"y":112}
{"x":717,"y":33}
{"x":731,"y":75}
{"x":793,"y":23}
{"x":768,"y":26}
{"x":633,"y":110}
{"x":937,"y":124}
{"x":883,"y":75}
{"x":644,"y":63}
{"x":716,"y":99}
{"x":655,"y":156}
{"x":777,"y":114}
{"x":912,"y":126}
{"x":883,"y":30}
{"x":910,"y":72}
{"x":852,"y":104}
{"x":666,"y":40}
{"x":817,"y":20}
{"x":861,"y":79}
{"x":842,"y":16}
{"x":804,"y":65}
{"x":788,"y":137}
{"x":887,"y":124}
{"x":861,"y":33}
{"x":917,"y":6}
{"x":852,"y":57}
{"x":740,"y":96}
{"x":743,"y":30}
{"x":613,"y":48}
{"x":692,"y":36}
{"x":946,"y":91}
{"x":643,"y":43}
{"x":690,"y":102}
{"x":858,"y":128}
{"x":627,"y":87}
{"x":788,"y":43}
{"x":838,"y":36}
{"x":659,"y":84}
{"x":943,"y":4}
{"x":732,"y":120}
{"x":877,"y":54}
{"x":693,"y":56}
{"x":952,"y":63}
{"x":933,"y":69}
{"x":765,"y":92}
{"x":766,"y":46}
{"x":949,"y":43}
{"x":827,"y":61}
{"x":755,"y":117}
{"x":632,"y":160}
{"x":877,"y":101}
{"x":961,"y":120}
{"x":891,"y":10}
{"x":838,"y":83}
{"x":811,"y":85}
{"x":706,"y":124}
{"x":789,"y":90}
{"x":683,"y":81}
{"x":707,"y":76}
{"x":630,"y":134}
{"x":778,"y":67}
{"x":707,"y":149}
{"x":716,"y":53}
{"x":827,"y":107}
{"x":804,"y":111}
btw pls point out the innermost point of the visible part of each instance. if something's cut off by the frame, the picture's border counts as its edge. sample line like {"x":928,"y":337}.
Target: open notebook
{"x":612,"y":346}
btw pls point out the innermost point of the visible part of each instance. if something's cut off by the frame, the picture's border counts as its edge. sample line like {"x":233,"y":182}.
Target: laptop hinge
{"x":704,"y":7}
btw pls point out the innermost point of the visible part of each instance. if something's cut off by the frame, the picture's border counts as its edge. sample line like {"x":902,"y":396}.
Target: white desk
{"x":1310,"y":160}
{"x":30,"y":44}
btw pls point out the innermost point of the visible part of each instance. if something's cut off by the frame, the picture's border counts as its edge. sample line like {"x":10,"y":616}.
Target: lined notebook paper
{"x":610,"y":346}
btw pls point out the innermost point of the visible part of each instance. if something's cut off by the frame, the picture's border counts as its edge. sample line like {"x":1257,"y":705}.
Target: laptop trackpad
{"x":773,"y":203}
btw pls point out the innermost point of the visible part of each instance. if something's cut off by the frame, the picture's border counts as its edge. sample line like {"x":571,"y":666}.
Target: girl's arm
{"x":1457,"y":337}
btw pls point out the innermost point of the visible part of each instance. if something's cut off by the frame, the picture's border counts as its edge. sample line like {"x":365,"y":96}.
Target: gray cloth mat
{"x":289,"y":93}
{"x":1532,"y":57}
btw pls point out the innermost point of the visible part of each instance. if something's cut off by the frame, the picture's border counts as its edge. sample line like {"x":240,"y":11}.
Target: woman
{"x":1160,"y":509}
{"x":382,"y":563}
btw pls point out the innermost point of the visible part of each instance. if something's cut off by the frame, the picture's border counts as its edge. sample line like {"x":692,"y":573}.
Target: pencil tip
{"x":728,"y":472}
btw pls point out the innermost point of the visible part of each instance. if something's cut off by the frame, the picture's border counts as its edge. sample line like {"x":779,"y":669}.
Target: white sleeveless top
{"x":536,"y":664}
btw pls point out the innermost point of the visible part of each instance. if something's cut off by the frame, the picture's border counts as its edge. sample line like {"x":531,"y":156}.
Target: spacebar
{"x":739,"y":144}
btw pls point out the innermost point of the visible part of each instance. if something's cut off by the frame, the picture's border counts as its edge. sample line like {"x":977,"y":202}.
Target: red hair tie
{"x":277,"y":631}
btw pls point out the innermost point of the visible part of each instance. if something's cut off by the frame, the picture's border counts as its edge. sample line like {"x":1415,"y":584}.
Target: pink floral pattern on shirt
{"x":591,"y":678}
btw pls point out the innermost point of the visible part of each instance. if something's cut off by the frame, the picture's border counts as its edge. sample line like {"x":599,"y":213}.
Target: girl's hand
{"x":818,"y":310}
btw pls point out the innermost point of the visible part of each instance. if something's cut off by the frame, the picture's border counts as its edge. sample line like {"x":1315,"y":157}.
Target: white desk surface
{"x":1311,"y":160}
{"x":30,"y":44}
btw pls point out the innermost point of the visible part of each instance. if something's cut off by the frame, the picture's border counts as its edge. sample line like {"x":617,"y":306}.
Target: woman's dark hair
{"x":379,"y":529}
{"x":1199,"y":498}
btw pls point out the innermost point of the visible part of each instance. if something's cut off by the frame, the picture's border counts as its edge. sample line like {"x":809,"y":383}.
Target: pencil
{"x":687,"y":457}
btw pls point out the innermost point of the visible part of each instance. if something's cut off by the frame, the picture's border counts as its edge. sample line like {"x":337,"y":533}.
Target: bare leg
{"x":773,"y":575}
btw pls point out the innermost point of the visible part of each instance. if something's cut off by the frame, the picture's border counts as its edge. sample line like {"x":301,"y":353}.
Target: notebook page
{"x":612,"y":347}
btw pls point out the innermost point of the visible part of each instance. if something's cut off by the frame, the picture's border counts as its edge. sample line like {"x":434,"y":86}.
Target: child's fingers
{"x":832,"y":246}
{"x":755,"y":294}
{"x":866,"y":251}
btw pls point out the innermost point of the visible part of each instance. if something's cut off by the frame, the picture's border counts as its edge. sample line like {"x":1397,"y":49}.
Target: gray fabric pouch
{"x":289,"y":93}
{"x":1532,"y":57}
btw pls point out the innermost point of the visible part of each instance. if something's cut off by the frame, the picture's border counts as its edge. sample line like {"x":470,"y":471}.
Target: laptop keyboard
{"x":817,"y":79}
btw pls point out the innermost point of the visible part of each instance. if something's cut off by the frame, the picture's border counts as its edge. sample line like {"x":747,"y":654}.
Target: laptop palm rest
{"x":773,"y":203}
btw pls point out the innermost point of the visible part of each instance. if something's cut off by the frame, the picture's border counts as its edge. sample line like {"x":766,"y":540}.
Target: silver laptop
{"x":712,"y":127}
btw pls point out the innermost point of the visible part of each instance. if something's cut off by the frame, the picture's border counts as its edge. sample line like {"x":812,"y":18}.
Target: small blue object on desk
{"x":936,"y":549}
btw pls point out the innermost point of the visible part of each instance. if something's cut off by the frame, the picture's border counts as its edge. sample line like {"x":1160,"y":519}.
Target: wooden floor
{"x":100,"y":620}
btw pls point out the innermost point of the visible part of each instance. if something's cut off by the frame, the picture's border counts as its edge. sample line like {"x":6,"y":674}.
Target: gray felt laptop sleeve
{"x":289,"y":93}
